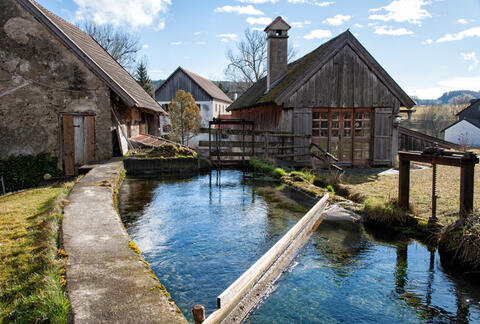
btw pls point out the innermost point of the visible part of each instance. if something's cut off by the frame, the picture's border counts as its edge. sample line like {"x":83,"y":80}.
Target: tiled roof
{"x":96,"y":58}
{"x":209,"y":87}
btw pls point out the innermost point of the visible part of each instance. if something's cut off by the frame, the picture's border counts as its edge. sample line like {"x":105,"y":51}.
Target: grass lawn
{"x":31,"y":271}
{"x":448,"y":190}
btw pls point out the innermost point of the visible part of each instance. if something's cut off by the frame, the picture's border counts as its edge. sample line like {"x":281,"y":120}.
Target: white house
{"x":466,"y":131}
{"x":210,"y":99}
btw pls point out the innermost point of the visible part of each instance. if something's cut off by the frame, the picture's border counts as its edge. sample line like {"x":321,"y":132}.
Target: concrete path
{"x":107,"y":282}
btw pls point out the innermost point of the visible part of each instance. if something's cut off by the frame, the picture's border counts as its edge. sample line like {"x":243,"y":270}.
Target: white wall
{"x":220,"y":107}
{"x":463,"y":133}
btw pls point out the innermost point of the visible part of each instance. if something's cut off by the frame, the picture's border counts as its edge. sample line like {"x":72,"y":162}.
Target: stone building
{"x":61,"y":93}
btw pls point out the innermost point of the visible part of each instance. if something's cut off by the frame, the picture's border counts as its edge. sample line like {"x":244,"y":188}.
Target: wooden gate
{"x":78,"y":142}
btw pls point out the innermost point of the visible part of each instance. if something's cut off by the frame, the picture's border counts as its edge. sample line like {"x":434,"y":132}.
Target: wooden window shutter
{"x":382,"y":136}
{"x":68,"y":145}
{"x":90,"y":138}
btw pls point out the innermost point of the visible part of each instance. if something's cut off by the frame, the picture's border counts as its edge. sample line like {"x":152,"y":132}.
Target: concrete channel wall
{"x":107,"y":280}
{"x":173,"y":166}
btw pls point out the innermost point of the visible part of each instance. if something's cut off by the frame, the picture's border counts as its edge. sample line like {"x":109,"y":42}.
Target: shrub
{"x":385,"y":212}
{"x":459,"y":244}
{"x":170,"y":150}
{"x":278,"y":173}
{"x":330,"y":188}
{"x":27,"y":171}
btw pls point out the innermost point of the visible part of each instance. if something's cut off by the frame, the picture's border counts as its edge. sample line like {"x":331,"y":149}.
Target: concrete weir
{"x":236,"y":301}
{"x":107,"y":281}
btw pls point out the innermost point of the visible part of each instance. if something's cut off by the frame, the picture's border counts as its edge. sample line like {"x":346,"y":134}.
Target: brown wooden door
{"x":344,"y":132}
{"x":78,"y":141}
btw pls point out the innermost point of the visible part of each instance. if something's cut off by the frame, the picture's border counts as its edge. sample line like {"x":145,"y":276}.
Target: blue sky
{"x":427,"y":46}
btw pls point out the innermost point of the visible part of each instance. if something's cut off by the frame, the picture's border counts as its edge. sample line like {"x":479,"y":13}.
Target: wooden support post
{"x":243,"y":141}
{"x":198,"y":313}
{"x":404,"y":184}
{"x":466,"y":188}
{"x":265,"y":149}
{"x":210,"y":140}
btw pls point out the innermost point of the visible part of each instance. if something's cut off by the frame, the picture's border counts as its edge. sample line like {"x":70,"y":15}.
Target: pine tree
{"x":142,"y":78}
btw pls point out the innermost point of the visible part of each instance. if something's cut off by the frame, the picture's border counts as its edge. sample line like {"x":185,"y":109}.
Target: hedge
{"x":27,"y":171}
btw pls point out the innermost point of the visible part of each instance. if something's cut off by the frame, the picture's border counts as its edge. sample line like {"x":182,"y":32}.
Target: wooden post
{"x":265,"y":148}
{"x":404,"y":184}
{"x":243,"y":141}
{"x":198,"y":313}
{"x":210,"y":140}
{"x":466,"y":188}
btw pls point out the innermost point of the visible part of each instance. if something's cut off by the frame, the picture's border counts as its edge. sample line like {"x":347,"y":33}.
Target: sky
{"x":427,"y":46}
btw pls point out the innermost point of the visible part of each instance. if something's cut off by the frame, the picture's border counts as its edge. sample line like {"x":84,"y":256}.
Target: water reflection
{"x":200,"y":234}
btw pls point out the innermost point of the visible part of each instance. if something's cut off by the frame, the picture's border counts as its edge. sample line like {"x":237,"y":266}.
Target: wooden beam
{"x":466,"y":188}
{"x":404,"y":184}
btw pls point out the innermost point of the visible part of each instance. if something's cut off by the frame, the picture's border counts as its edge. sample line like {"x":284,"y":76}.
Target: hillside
{"x":456,"y":97}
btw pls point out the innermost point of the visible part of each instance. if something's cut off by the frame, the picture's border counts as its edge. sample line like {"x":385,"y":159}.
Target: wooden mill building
{"x":62,"y":93}
{"x":338,"y":93}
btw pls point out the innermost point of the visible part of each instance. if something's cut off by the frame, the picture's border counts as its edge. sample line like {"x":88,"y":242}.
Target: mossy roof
{"x":256,"y":93}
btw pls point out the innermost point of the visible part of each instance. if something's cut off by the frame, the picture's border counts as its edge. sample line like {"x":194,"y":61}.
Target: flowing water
{"x":200,"y":234}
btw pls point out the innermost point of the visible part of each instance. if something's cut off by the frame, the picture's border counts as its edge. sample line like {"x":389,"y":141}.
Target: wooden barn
{"x":338,"y":94}
{"x":211,"y":100}
{"x":62,"y":93}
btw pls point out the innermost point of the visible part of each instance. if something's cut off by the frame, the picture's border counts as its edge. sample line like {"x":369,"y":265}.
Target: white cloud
{"x":257,"y":28}
{"x":225,"y":38}
{"x":259,"y":21}
{"x":313,"y":2}
{"x":427,"y":42}
{"x":197,"y":33}
{"x":384,"y":30}
{"x":201,"y":43}
{"x":160,"y":25}
{"x":240,"y":10}
{"x":337,"y":20}
{"x":145,"y":46}
{"x":462,"y":21}
{"x":471,"y":57}
{"x":455,"y":83}
{"x":257,"y":1}
{"x":472,"y":32}
{"x":359,"y":25}
{"x":411,"y":11}
{"x":300,"y":24}
{"x":324,"y":3}
{"x":318,"y":33}
{"x":175,"y":43}
{"x":296,"y":45}
{"x":123,"y":12}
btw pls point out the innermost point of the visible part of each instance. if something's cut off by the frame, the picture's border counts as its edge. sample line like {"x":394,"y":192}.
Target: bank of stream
{"x":200,"y":234}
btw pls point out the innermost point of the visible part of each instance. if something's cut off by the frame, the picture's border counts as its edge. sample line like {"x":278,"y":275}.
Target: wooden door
{"x":344,"y":132}
{"x":78,"y":141}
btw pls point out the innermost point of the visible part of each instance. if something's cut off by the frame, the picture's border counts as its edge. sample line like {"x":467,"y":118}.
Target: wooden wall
{"x":180,"y":81}
{"x":344,"y":81}
{"x":266,"y":118}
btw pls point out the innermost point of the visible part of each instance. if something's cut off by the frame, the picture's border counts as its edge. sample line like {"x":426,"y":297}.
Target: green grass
{"x":31,"y":265}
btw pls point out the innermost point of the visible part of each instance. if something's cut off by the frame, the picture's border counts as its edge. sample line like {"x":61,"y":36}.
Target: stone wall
{"x":57,"y":82}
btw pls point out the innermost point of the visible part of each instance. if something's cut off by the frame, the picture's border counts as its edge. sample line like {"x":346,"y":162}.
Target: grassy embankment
{"x":32,"y":266}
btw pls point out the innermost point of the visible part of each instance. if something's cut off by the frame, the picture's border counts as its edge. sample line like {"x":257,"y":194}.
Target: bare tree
{"x":248,"y":63}
{"x":122,"y":46}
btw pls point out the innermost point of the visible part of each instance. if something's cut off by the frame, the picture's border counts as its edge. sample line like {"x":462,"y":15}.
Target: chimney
{"x":277,"y":34}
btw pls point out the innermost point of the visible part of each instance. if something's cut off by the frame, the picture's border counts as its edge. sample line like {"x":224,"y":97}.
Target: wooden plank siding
{"x":180,"y":80}
{"x":344,"y":81}
{"x":382,"y":136}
